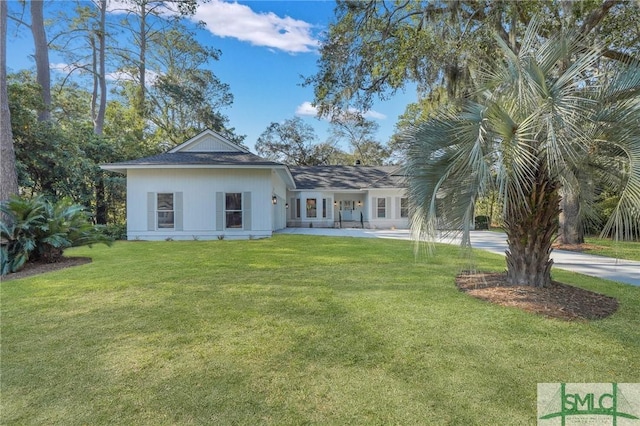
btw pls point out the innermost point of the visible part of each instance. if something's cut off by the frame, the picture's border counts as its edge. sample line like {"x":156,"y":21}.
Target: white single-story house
{"x":209,"y":187}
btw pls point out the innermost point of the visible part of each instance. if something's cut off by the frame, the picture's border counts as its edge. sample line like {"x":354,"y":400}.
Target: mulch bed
{"x":576,"y":247}
{"x":35,"y":268}
{"x":559,"y":301}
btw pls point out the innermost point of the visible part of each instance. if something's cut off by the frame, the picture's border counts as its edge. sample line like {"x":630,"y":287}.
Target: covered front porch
{"x":370,"y":197}
{"x":367,"y":209}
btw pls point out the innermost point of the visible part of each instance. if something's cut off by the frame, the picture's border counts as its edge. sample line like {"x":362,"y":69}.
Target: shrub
{"x":115,"y":231}
{"x":482,"y":222}
{"x":603,"y":208}
{"x":20,"y":219}
{"x":37,"y":229}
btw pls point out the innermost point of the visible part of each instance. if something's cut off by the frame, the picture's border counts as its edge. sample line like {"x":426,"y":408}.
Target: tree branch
{"x":597,"y":16}
{"x":619,"y":56}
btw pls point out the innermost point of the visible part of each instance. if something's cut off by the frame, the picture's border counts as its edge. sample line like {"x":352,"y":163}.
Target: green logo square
{"x":616,"y":404}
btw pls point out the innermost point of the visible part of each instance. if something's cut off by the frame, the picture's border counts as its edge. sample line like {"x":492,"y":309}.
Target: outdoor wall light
{"x":286,"y":205}
{"x":359,"y":203}
{"x":335,"y":203}
{"x":274,"y":200}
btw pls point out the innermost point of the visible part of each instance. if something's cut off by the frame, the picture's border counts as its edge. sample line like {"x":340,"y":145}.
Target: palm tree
{"x":538,"y":116}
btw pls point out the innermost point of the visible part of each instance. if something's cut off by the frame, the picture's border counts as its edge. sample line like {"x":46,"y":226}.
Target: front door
{"x":346,"y":210}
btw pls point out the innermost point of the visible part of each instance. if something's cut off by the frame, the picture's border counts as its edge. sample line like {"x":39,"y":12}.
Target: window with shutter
{"x":382,"y":208}
{"x":165,"y":211}
{"x":404,"y":207}
{"x":233,"y":210}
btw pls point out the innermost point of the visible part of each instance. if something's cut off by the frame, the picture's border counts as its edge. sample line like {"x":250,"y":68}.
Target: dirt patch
{"x":559,"y":301}
{"x":35,"y":268}
{"x":577,"y":247}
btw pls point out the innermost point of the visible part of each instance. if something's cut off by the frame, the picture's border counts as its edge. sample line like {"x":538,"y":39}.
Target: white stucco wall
{"x":279,"y":216}
{"x":304,"y":220}
{"x":199,"y":188}
{"x":392,"y":218}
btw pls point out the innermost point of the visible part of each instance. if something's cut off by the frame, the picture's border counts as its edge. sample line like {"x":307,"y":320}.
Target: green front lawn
{"x":617,"y":249}
{"x":629,"y":250}
{"x":286,"y":331}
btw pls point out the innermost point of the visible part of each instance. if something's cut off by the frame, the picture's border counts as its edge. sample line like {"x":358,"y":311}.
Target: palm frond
{"x":448,"y":166}
{"x":542,"y":118}
{"x":618,"y":120}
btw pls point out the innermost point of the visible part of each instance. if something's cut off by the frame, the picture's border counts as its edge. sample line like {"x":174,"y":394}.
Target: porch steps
{"x":350,"y":224}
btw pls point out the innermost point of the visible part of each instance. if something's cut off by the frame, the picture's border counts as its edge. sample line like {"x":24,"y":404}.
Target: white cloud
{"x":116,"y":6}
{"x":225,"y":19}
{"x":306,"y":109}
{"x":61,"y":67}
{"x":121,"y":7}
{"x":239,"y":21}
{"x":151,"y":76}
{"x":375,"y":115}
{"x":119,"y":76}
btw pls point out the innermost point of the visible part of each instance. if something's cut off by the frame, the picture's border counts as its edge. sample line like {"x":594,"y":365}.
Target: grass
{"x":286,"y":331}
{"x":629,"y":250}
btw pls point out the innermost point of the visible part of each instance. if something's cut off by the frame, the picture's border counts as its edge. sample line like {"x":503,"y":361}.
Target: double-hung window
{"x":165,"y":211}
{"x":404,"y":207}
{"x":233,"y":210}
{"x":381,"y":208}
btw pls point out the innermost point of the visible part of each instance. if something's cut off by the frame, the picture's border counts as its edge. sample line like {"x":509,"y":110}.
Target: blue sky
{"x":266,"y":47}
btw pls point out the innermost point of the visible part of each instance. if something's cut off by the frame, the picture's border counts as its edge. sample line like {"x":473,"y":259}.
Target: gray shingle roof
{"x":199,"y":158}
{"x":305,"y":177}
{"x":347,"y":177}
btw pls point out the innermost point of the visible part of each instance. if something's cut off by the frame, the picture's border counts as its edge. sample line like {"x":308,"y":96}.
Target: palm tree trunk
{"x":570,"y":226}
{"x":530,"y":227}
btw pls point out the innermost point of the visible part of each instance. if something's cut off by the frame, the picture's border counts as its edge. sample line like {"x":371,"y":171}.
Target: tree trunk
{"x":94,"y":72}
{"x":570,"y":224}
{"x":8,"y":177}
{"x":102,"y":70}
{"x":530,"y":227}
{"x":142,"y":61}
{"x":97,"y":41}
{"x":100,"y":90}
{"x":492,"y":204}
{"x":101,"y":203}
{"x":43,"y":76}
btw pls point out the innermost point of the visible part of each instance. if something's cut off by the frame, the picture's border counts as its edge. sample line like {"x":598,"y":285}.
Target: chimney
{"x":357,"y":163}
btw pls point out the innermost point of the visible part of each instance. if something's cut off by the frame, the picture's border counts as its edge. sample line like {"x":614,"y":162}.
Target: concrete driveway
{"x":624,"y":271}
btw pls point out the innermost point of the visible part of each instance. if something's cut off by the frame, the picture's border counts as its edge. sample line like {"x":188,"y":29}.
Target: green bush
{"x":37,"y":229}
{"x":20,"y":219}
{"x":115,"y":231}
{"x":482,"y":222}
{"x":603,"y":209}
